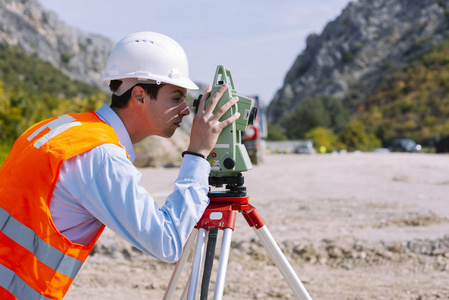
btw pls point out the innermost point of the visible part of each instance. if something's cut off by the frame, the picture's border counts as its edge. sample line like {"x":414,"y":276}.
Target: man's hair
{"x":121,"y":101}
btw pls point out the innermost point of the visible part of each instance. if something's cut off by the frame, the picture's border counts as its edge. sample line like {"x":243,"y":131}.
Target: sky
{"x":257,"y":40}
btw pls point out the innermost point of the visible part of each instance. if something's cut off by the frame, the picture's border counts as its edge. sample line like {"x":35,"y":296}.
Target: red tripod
{"x":221,"y":214}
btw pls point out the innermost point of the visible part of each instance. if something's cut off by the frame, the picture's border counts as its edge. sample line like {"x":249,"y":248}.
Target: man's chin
{"x":167,"y":134}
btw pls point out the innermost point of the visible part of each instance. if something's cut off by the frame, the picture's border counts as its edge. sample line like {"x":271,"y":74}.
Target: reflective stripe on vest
{"x":44,"y":252}
{"x":16,"y":286}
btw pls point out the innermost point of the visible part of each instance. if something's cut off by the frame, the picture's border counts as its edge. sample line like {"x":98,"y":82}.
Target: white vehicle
{"x":305,"y":147}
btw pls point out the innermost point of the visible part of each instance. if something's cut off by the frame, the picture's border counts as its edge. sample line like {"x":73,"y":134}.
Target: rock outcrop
{"x":27,"y":25}
{"x":361,"y":47}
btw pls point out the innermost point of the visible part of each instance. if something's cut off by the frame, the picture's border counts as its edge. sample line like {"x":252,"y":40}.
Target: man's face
{"x":165,"y":113}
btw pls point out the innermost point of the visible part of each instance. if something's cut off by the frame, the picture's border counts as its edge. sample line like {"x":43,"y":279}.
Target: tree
{"x":275,"y":133}
{"x":326,"y":112}
{"x":32,"y":90}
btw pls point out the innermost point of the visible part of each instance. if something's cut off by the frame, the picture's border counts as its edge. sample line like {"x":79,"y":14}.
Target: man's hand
{"x":206,"y":125}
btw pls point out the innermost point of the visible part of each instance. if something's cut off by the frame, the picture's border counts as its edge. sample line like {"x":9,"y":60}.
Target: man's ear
{"x":138,"y":94}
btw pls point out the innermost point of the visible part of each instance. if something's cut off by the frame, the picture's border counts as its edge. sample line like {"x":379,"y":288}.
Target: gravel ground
{"x":354,"y":226}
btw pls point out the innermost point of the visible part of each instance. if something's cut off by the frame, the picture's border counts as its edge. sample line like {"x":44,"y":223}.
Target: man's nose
{"x":185,"y":111}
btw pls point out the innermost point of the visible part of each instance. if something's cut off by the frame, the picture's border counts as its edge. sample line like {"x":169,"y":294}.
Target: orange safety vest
{"x":36,"y":260}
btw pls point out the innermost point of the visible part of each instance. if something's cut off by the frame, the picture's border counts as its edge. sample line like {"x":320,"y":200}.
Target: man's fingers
{"x":215,"y":98}
{"x":229,"y":120}
{"x":222,"y":110}
{"x":208,"y":112}
{"x":204,"y":98}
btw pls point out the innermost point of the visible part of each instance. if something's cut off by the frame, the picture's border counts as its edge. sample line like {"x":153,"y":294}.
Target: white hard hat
{"x":148,"y":57}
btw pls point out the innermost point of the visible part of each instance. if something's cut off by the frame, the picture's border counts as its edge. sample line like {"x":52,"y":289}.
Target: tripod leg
{"x":180,"y":265}
{"x":282,"y":264}
{"x":197,"y":263}
{"x":209,"y":262}
{"x":223,"y":263}
{"x":186,"y":288}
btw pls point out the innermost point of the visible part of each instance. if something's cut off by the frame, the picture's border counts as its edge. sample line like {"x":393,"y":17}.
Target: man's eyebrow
{"x":180,"y":92}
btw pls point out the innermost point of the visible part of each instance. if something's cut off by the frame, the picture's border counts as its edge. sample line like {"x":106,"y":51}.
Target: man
{"x":68,"y":177}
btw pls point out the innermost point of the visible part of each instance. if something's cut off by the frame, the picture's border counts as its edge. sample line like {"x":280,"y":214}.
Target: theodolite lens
{"x":252,"y":116}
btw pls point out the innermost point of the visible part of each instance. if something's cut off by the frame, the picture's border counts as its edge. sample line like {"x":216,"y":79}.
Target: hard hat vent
{"x":144,"y":41}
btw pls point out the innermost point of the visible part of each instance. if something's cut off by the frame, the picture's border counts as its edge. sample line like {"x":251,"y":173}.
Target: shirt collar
{"x":106,"y":114}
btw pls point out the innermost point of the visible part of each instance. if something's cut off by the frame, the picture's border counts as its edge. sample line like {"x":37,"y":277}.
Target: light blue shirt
{"x":101,"y":186}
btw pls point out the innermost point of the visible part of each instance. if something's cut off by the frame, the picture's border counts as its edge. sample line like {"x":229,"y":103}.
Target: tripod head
{"x":234,"y":186}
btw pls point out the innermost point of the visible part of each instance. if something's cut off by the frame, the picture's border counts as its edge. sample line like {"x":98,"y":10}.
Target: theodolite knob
{"x":229,"y":163}
{"x":196,"y":102}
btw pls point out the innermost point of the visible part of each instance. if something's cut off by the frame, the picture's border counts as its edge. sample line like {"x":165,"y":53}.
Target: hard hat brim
{"x":181,"y":82}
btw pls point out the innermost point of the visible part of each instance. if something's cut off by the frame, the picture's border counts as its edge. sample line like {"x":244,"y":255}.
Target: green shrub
{"x":355,"y":137}
{"x":323,"y":137}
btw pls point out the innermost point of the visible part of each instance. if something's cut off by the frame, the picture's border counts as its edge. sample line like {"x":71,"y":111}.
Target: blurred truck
{"x":253,"y":138}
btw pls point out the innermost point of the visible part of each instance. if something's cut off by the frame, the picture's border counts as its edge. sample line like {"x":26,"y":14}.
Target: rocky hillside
{"x":366,"y":44}
{"x":26,"y":25}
